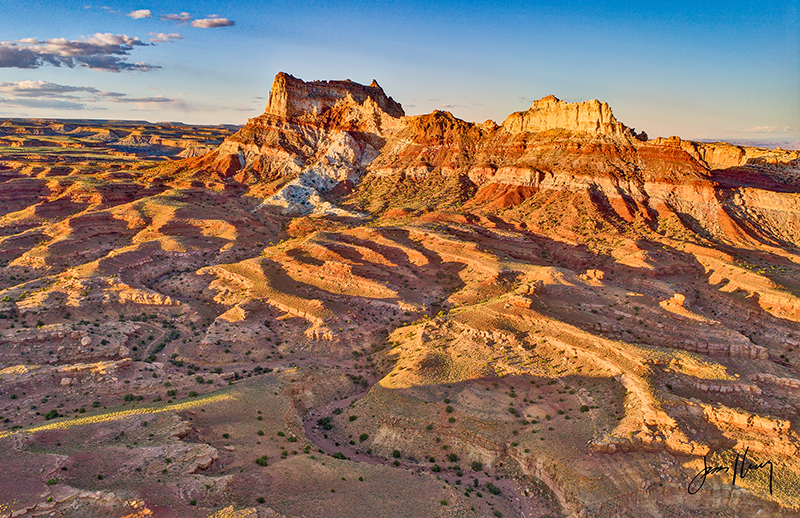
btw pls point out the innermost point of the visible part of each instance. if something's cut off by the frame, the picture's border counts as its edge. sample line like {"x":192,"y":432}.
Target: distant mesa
{"x":293,"y":97}
{"x":552,"y":113}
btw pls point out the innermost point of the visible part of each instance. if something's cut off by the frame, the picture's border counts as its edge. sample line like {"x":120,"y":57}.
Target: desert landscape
{"x":339,"y":310}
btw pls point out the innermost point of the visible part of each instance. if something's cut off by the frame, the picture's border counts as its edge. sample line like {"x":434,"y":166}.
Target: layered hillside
{"x":345,"y":311}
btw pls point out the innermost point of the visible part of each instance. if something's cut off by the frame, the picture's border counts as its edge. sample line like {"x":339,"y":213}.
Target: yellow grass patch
{"x":113,"y":416}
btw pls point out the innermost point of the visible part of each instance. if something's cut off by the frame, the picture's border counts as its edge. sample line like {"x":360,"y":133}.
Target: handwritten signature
{"x":740,"y":469}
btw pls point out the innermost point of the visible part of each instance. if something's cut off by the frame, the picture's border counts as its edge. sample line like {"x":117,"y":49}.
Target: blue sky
{"x":695,"y":69}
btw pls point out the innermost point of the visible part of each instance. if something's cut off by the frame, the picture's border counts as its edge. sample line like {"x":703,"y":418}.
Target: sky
{"x":699,"y":69}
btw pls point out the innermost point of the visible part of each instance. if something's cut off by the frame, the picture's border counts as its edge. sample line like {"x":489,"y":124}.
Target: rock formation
{"x":554,"y":312}
{"x":291,"y":97}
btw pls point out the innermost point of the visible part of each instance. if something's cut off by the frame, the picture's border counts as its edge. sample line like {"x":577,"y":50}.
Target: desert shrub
{"x":363,"y":437}
{"x":396,"y":454}
{"x":262,"y":461}
{"x":584,"y":408}
{"x":477,"y":466}
{"x":492,"y":488}
{"x":326,"y":423}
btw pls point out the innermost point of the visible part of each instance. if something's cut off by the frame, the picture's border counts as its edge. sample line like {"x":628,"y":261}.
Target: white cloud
{"x":212,"y":22}
{"x":181,"y":18}
{"x":103,"y":51}
{"x":140,"y":13}
{"x":161,"y":37}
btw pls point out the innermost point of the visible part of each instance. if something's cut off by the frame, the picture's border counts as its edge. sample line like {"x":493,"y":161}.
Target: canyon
{"x":340,"y":310}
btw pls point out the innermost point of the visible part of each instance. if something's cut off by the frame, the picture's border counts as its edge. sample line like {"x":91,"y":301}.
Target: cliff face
{"x":317,"y":135}
{"x":591,"y":117}
{"x":292,"y":97}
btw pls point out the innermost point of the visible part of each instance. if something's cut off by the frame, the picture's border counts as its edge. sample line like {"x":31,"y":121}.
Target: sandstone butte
{"x":341,"y":310}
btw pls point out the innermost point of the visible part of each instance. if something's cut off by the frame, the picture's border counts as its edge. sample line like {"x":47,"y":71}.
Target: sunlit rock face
{"x":293,"y":97}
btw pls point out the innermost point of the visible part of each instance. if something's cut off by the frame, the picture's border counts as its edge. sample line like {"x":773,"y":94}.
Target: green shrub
{"x":262,"y":461}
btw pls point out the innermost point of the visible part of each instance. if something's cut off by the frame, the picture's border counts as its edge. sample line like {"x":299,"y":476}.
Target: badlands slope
{"x":344,"y":311}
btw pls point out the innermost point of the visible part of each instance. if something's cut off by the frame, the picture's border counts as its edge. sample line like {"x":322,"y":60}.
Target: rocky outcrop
{"x":723,"y":416}
{"x":293,"y":97}
{"x":549,"y":113}
{"x":790,"y":383}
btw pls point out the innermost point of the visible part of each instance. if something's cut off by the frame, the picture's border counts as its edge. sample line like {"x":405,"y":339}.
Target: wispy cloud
{"x":769,"y":129}
{"x":161,"y":37}
{"x":52,"y":104}
{"x":103,"y":51}
{"x":140,"y":13}
{"x":182,"y":18}
{"x":156,"y":99}
{"x":212,"y":22}
{"x":43,"y":94}
{"x":47,"y":89}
